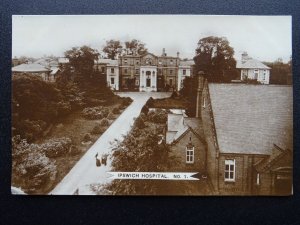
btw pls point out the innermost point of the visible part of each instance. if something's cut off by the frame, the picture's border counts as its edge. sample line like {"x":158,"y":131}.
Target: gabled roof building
{"x":253,"y":69}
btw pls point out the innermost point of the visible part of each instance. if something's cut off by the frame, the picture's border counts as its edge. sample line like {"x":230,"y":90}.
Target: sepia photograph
{"x":152,"y":105}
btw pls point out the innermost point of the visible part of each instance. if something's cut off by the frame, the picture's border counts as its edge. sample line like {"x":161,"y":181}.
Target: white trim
{"x":229,"y":162}
{"x":190,"y":158}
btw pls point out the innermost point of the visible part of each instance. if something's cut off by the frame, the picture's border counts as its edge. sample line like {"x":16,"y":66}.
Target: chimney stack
{"x":177,"y":54}
{"x":201,"y":80}
{"x":164,"y":52}
{"x":245,"y":57}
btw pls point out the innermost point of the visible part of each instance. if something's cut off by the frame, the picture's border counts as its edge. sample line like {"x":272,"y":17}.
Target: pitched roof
{"x":186,"y":63}
{"x":250,"y":119}
{"x":112,"y":62}
{"x":63,"y":60}
{"x":32,"y":67}
{"x":251,"y":64}
{"x":175,"y":122}
{"x":178,"y":125}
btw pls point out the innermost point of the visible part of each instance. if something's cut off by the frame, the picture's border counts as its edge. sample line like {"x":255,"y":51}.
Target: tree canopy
{"x":135,"y":47}
{"x":112,"y":49}
{"x":214,"y":56}
{"x":82,"y":59}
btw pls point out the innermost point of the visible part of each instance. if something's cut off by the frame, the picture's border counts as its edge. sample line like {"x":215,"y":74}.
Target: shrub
{"x":30,"y":129}
{"x":105,"y":111}
{"x":98,"y":129}
{"x":150,"y":102}
{"x":93,"y":113}
{"x":56,"y":147}
{"x":139,"y":123}
{"x":111,"y":116}
{"x":104,"y":122}
{"x":87,"y":138}
{"x":115,"y":110}
{"x":157,"y":116}
{"x":31,"y":168}
{"x":126,"y":101}
{"x":74,"y":150}
{"x":145,"y":109}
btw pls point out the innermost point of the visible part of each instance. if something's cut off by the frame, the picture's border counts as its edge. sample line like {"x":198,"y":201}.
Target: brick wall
{"x":179,"y":150}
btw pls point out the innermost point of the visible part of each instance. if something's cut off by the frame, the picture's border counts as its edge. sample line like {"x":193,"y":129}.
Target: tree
{"x":135,"y":47}
{"x":281,"y":73}
{"x":142,"y":151}
{"x":214,"y":56}
{"x":189,"y":92}
{"x":82,"y":59}
{"x":113,"y":48}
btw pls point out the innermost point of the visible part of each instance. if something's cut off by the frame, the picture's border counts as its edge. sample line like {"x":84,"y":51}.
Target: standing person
{"x":98,"y":163}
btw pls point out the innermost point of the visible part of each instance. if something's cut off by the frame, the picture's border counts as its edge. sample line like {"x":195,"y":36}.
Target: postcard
{"x":152,"y":105}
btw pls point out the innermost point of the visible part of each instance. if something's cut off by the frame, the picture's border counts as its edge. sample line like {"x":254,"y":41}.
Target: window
{"x":159,"y":62}
{"x":264,"y":75}
{"x":171,"y":72}
{"x":112,"y":80}
{"x":125,"y":71}
{"x":184,"y":72}
{"x":189,"y":154}
{"x":102,"y":69}
{"x":137,"y":82}
{"x":171,"y":61}
{"x":125,"y":61}
{"x":112,"y":70}
{"x":137,"y":62}
{"x":137,"y":71}
{"x":171,"y":82}
{"x":229,"y":170}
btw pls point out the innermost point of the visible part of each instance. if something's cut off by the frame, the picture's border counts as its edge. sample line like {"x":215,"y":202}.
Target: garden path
{"x":85,"y":173}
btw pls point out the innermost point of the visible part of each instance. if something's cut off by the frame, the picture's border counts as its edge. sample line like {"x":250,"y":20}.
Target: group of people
{"x":102,"y":160}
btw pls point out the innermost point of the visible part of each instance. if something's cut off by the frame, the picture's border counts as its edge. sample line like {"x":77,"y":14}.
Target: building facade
{"x":146,"y":72}
{"x":253,"y":69}
{"x":249,"y":136}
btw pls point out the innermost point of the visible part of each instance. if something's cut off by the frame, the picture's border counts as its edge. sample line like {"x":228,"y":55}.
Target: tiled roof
{"x":33,"y":67}
{"x":251,"y":64}
{"x":250,"y":119}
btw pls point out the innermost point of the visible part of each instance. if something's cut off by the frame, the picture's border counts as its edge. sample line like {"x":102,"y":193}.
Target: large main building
{"x":146,"y":72}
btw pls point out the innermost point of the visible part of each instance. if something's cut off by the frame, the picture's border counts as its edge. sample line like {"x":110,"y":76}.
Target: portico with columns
{"x":148,"y":78}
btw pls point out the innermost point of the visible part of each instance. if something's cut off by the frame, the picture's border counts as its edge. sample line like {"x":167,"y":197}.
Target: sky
{"x":265,"y":38}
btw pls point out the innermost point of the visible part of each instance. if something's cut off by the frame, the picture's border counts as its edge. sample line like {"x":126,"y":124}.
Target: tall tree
{"x":135,"y":47}
{"x":113,"y":48}
{"x":82,"y":59}
{"x":214,"y":56}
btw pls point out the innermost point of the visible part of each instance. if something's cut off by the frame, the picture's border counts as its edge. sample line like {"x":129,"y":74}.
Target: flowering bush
{"x":56,"y":147}
{"x":94,"y":113}
{"x":31,"y":168}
